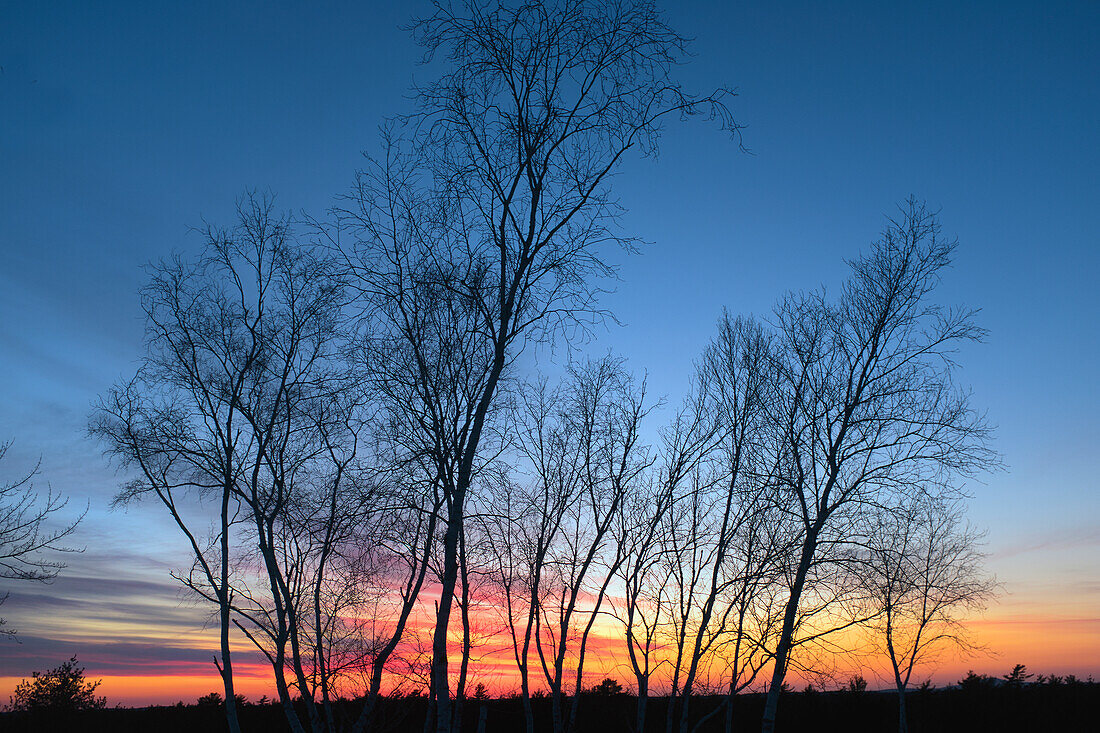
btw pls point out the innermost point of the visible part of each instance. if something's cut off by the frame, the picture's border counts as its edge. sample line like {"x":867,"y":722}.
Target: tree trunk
{"x":524,"y":670}
{"x":556,"y":712}
{"x":528,"y":713}
{"x":482,"y":716}
{"x":903,"y":722}
{"x":429,"y":717}
{"x":729,"y":712}
{"x":643,"y":699}
{"x":525,"y":692}
{"x":226,"y":671}
{"x":782,"y":652}
{"x":441,"y":693}
{"x":226,"y":668}
{"x":284,"y":696}
{"x":464,"y":607}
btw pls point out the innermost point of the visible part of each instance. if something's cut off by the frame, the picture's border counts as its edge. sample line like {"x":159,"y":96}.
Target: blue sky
{"x":122,"y":125}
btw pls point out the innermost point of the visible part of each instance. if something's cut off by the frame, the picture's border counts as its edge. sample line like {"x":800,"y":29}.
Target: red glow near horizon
{"x":1060,"y":646}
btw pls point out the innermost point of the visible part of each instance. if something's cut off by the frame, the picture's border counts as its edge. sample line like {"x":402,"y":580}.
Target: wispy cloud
{"x":1058,"y":540}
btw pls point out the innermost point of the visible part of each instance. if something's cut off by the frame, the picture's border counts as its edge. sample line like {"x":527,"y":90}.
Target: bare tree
{"x":401,"y":550}
{"x":722,"y":541}
{"x":643,"y":606}
{"x":868,"y":407}
{"x":519,"y":531}
{"x":490,"y":231}
{"x":603,"y":411}
{"x":555,"y":554}
{"x":646,"y":603}
{"x":309,"y":506}
{"x":242,"y":353}
{"x":924,"y":571}
{"x":27,"y":536}
{"x":705,"y":548}
{"x":477,"y":583}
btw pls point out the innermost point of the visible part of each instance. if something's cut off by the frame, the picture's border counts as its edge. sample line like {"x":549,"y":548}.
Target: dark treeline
{"x":381,"y":501}
{"x":1068,"y":707}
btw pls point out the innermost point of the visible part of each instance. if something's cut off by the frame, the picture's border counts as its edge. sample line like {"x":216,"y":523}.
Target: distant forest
{"x":978,"y":703}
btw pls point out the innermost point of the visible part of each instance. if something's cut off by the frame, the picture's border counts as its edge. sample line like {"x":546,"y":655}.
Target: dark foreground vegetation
{"x":981,"y":706}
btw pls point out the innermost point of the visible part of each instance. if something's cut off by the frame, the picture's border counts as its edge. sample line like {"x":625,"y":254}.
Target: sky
{"x":125,"y":125}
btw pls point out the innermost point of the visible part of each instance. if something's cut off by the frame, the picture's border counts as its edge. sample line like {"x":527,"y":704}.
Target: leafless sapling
{"x":868,"y":407}
{"x":923,"y":568}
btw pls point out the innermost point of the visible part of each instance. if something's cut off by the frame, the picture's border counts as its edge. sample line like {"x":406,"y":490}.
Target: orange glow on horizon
{"x":1046,"y":645}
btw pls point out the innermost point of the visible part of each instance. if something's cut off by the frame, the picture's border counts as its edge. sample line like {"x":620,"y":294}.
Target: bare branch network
{"x":381,"y":500}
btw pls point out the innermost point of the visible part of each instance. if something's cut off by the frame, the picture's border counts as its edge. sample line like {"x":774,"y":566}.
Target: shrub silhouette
{"x":214,"y":699}
{"x":973,"y":682}
{"x":608,"y":688}
{"x":62,"y":689}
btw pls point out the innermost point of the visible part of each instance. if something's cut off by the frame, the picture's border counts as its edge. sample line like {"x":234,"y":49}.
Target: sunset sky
{"x":122,"y":125}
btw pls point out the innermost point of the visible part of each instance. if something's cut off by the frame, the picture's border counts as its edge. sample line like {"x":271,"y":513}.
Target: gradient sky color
{"x":122,"y":124}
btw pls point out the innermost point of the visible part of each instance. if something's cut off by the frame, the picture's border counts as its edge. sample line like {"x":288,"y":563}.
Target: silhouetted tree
{"x":1017,"y":676}
{"x":724,"y":538}
{"x":61,"y":689}
{"x":26,"y":535}
{"x":555,"y":554}
{"x":868,"y":406}
{"x":600,"y":415}
{"x":242,"y":399}
{"x":486,"y":229}
{"x":923,"y":569}
{"x":641,"y":537}
{"x":608,"y":687}
{"x":974,"y":682}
